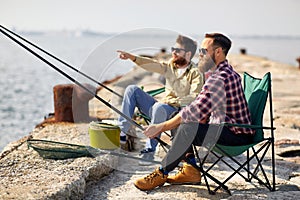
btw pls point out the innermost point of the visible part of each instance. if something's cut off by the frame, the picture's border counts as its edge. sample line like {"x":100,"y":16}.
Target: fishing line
{"x":80,"y":85}
{"x":61,"y":61}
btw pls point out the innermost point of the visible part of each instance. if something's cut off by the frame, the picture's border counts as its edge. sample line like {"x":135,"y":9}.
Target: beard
{"x":206,"y":63}
{"x":180,"y":61}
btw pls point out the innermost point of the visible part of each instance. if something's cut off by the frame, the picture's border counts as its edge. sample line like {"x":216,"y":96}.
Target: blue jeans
{"x":158,"y":112}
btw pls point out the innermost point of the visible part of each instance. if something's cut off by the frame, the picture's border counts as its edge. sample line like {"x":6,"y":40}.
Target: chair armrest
{"x":156,"y":91}
{"x":248,"y":126}
{"x":143,"y":116}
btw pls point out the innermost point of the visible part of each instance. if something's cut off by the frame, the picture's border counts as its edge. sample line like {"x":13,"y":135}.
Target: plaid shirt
{"x":221,"y":100}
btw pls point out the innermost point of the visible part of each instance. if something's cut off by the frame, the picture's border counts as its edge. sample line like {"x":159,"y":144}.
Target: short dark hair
{"x":220,"y":40}
{"x":188,"y":44}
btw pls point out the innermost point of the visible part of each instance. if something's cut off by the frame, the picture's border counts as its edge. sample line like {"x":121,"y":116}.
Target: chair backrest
{"x":256,"y":93}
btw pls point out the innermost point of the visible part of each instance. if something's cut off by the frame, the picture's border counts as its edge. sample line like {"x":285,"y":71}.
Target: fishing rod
{"x":80,"y":85}
{"x":61,"y":61}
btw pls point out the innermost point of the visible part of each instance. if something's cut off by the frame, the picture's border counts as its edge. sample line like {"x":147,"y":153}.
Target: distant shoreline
{"x":108,"y":34}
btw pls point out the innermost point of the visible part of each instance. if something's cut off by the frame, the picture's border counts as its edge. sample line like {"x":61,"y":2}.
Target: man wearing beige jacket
{"x":183,"y":84}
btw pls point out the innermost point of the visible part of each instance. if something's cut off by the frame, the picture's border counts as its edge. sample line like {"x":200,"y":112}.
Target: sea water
{"x":26,"y":83}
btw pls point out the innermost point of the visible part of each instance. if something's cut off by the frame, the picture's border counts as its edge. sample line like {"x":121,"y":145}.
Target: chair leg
{"x":259,"y":166}
{"x":273,"y":162}
{"x":229,"y":165}
{"x":242,"y":166}
{"x":201,"y":169}
{"x":248,"y":166}
{"x":206,"y":174}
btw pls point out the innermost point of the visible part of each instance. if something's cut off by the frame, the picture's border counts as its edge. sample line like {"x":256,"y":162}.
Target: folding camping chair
{"x":256,"y":91}
{"x":151,"y":93}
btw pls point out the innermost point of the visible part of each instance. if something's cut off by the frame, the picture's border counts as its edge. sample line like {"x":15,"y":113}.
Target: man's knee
{"x":130,"y":89}
{"x":158,"y":106}
{"x":159,"y":112}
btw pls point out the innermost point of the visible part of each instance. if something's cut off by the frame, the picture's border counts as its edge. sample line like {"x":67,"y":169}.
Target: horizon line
{"x":86,"y":32}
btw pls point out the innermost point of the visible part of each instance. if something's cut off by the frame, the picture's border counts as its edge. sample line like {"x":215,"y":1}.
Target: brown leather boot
{"x":153,"y":180}
{"x":187,"y":175}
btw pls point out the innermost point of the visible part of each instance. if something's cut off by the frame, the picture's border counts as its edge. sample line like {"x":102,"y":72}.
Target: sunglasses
{"x":177,"y":50}
{"x":203,"y":51}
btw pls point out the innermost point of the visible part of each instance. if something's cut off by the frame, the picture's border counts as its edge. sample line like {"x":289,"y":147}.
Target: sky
{"x":234,"y":17}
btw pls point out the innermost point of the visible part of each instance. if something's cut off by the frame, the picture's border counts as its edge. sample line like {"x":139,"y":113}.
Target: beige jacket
{"x":181,"y":90}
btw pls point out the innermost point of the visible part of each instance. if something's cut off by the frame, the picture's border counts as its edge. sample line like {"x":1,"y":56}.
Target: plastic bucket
{"x":104,"y":135}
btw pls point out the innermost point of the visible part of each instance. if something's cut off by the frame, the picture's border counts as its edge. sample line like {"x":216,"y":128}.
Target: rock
{"x":286,"y":141}
{"x":51,"y":179}
{"x":25,"y":175}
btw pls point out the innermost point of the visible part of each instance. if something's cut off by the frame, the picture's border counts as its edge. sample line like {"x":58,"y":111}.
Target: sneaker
{"x":147,"y":150}
{"x":153,"y":180}
{"x":187,"y":175}
{"x":147,"y":156}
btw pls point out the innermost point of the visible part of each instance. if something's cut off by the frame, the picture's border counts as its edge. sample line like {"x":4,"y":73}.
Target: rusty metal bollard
{"x":243,"y":51}
{"x":71,"y":103}
{"x":63,"y":103}
{"x":298,"y":60}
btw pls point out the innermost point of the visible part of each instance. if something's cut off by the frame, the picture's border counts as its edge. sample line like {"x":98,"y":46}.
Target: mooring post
{"x":298,"y":60}
{"x":63,"y":103}
{"x":243,"y":51}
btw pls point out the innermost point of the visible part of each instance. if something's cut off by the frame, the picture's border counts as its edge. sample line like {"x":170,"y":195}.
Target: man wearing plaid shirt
{"x":221,"y":100}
